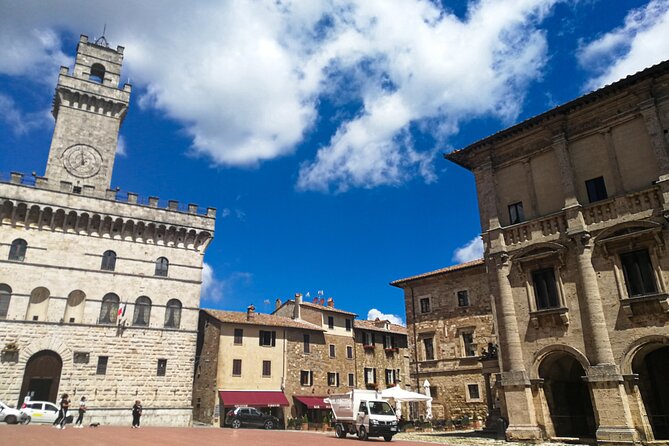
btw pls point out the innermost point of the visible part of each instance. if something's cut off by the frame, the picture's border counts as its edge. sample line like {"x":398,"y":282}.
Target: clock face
{"x":82,"y":161}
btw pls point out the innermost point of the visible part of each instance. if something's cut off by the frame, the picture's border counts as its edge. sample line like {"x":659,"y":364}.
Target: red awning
{"x":313,"y":402}
{"x":253,"y":398}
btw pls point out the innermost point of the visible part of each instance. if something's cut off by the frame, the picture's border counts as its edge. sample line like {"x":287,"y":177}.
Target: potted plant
{"x":304,"y":422}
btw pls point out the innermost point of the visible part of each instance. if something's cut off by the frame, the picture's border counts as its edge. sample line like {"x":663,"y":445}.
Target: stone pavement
{"x":39,"y":435}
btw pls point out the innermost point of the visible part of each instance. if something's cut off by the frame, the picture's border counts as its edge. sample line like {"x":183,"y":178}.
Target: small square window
{"x":307,"y":345}
{"x":268,"y":338}
{"x":306,"y":377}
{"x":76,"y":189}
{"x":596,"y":189}
{"x":425,"y":305}
{"x":332,"y":351}
{"x":101,"y":369}
{"x":351,"y":380}
{"x":162,"y":367}
{"x":330,"y":322}
{"x":236,"y":367}
{"x":349,"y":352}
{"x":267,"y":368}
{"x":348,"y":325}
{"x":239,"y":336}
{"x":463,"y":298}
{"x":516,"y":213}
{"x":333,"y":379}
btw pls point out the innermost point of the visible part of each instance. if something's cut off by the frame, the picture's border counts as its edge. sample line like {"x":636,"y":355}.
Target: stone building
{"x":450,"y":324}
{"x":99,"y":294}
{"x":314,"y":354}
{"x":574,"y":206}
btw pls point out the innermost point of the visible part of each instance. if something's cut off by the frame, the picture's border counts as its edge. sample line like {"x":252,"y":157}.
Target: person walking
{"x":136,"y":414}
{"x":62,"y":413}
{"x":82,"y":411}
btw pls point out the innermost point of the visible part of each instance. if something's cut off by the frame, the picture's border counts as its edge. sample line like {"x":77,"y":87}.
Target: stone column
{"x":515,"y":381}
{"x":655,"y":133}
{"x":612,"y":412}
{"x":572,"y":207}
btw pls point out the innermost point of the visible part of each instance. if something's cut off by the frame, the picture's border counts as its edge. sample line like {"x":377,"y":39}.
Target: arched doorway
{"x":568,"y":396}
{"x":41,"y":377}
{"x":651,"y":364}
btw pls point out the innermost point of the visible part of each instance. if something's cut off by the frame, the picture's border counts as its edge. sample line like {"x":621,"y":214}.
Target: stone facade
{"x":450,"y":325}
{"x":574,"y":207}
{"x":72,"y":254}
{"x":316,"y":348}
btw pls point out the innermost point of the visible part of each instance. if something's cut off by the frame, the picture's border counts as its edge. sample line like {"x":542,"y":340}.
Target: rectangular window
{"x":267,"y":368}
{"x":545,"y":289}
{"x":349,"y":352}
{"x":102,"y":365}
{"x":348,"y":325}
{"x":516,"y":213}
{"x":333,"y":379}
{"x":267,"y":338}
{"x":473,"y":390}
{"x":468,"y":345}
{"x":330,"y":322}
{"x":429,"y":349}
{"x":390,"y":377}
{"x":398,"y":378}
{"x":425,"y":305}
{"x":596,"y":189}
{"x":162,"y":367}
{"x":236,"y":367}
{"x":434,"y":392}
{"x":368,"y":338}
{"x":306,"y":377}
{"x":351,"y":380}
{"x":638,"y":271}
{"x":370,"y":375}
{"x":332,"y":351}
{"x":387,"y":341}
{"x":306,"y":341}
{"x":463,"y":298}
{"x":239,"y":336}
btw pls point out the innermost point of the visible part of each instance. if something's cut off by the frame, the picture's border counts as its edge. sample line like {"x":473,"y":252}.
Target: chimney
{"x":321,"y":301}
{"x":315,"y":300}
{"x":277,"y":304}
{"x":330,"y":302}
{"x":250,"y":312}
{"x":297,"y":311}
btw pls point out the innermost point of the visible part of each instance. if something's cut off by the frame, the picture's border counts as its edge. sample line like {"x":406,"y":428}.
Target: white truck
{"x":364,"y":413}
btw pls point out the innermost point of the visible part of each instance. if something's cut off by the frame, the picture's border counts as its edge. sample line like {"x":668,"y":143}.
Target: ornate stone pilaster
{"x":659,"y":145}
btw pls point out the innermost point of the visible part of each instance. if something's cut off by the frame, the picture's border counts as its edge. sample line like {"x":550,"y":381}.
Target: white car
{"x":41,"y":411}
{"x":12,"y":416}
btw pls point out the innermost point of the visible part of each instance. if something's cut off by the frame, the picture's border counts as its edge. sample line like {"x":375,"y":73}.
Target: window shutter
{"x":273,"y":338}
{"x":373,"y":339}
{"x":260,"y":338}
{"x":374,"y":374}
{"x":311,"y":377}
{"x":337,"y":375}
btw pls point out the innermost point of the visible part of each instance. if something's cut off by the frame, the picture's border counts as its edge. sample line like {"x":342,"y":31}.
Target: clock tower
{"x":89,"y":108}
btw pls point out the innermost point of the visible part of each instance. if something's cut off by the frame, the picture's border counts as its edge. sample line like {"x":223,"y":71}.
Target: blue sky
{"x":317,"y":128}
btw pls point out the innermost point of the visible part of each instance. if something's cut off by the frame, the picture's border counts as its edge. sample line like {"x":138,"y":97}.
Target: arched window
{"x":5,"y":298}
{"x":97,"y":73}
{"x":108,"y":261}
{"x":162,"y":265}
{"x":109,"y":309}
{"x":18,"y":250}
{"x":173,"y":314}
{"x":38,"y":304}
{"x":74,"y":310}
{"x":142,"y":311}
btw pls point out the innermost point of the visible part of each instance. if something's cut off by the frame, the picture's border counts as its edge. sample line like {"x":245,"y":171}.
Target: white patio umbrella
{"x":401,"y":395}
{"x":428,"y":404}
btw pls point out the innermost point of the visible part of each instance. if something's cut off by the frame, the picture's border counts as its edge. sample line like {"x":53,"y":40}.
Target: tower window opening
{"x":97,"y":73}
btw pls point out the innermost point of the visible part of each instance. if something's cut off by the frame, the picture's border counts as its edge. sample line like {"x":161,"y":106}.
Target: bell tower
{"x":89,"y":108}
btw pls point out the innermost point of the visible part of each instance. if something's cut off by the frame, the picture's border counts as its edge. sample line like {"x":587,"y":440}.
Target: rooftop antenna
{"x":101,"y":40}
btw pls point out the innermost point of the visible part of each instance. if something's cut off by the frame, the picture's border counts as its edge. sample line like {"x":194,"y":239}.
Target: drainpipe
{"x":415,"y":338}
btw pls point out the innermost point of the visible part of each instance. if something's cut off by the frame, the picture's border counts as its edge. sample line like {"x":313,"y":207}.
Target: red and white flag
{"x":120,"y":317}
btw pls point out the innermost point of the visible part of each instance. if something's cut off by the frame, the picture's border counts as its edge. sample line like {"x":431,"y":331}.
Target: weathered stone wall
{"x":205,"y":387}
{"x":380,"y":359}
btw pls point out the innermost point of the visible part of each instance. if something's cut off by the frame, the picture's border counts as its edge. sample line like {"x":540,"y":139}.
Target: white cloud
{"x":212,"y":288}
{"x":471,"y":251}
{"x":21,"y":122}
{"x":246,"y":79}
{"x":120,"y":147}
{"x":373,"y":314}
{"x":638,"y":44}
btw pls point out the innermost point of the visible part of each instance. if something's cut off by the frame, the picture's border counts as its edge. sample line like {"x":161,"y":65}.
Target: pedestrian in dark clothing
{"x":62,"y":413}
{"x":82,"y":411}
{"x":136,"y":414}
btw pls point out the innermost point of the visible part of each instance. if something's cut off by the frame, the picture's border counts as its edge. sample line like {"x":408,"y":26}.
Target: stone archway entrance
{"x":567,"y":396}
{"x":41,"y":377}
{"x":652,"y":364}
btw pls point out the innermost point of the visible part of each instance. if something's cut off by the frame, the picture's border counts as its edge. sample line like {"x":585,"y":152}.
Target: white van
{"x":363,"y":413}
